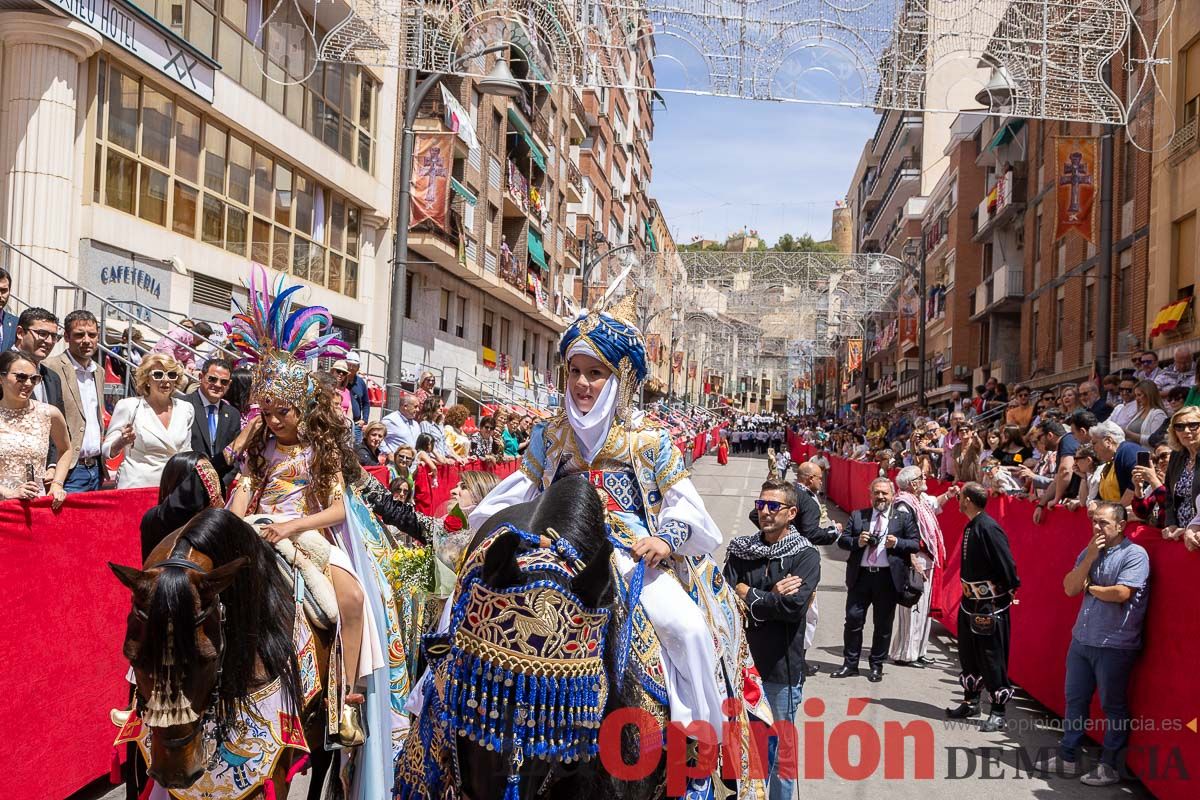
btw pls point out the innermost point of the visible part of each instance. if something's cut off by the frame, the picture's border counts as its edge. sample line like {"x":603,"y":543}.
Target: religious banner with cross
{"x":433,"y":157}
{"x":1077,"y":176}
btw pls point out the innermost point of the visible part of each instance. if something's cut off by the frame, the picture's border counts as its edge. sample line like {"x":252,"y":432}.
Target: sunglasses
{"x":340,"y":372}
{"x":21,"y":377}
{"x":769,"y":505}
{"x":160,"y":375}
{"x":215,"y":381}
{"x":1125,"y":390}
{"x":1190,"y":427}
{"x":1149,"y":361}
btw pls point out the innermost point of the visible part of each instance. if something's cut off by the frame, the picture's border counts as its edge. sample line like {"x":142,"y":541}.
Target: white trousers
{"x":911,"y":639}
{"x":688,"y":653}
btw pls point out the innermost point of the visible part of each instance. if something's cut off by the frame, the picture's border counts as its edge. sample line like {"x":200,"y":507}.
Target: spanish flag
{"x":1168,"y":317}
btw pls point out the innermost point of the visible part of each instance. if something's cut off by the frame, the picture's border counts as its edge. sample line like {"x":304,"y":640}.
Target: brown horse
{"x":211,"y":624}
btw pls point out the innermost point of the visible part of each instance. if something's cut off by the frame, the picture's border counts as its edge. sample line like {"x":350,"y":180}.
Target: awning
{"x":463,"y":192}
{"x":514,"y":116}
{"x":650,"y":238}
{"x":536,"y":250}
{"x":1006,"y":134}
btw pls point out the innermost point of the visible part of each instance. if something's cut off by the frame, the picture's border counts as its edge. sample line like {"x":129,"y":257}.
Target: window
{"x":1034,"y":341}
{"x":1183,"y":257}
{"x":489,"y":322}
{"x":1190,"y":69}
{"x":168,"y":165}
{"x":1058,"y":323}
{"x":1124,"y":291}
{"x":1089,"y":306}
{"x":524,"y":346}
{"x":409,"y":285}
{"x":444,"y":311}
{"x":505,"y":336}
{"x":460,"y":317}
{"x":497,"y":132}
{"x":1128,"y":166}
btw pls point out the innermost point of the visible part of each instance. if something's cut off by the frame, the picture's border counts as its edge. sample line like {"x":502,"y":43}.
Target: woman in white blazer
{"x":150,"y":428}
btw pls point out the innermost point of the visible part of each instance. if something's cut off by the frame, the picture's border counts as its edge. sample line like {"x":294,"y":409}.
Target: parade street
{"x":907,"y":694}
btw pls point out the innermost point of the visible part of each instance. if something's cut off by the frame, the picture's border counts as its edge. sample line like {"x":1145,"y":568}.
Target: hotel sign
{"x":137,"y":32}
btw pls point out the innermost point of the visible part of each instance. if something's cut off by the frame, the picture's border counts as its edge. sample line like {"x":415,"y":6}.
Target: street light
{"x":500,"y":83}
{"x":914,"y":252}
{"x":590,"y":267}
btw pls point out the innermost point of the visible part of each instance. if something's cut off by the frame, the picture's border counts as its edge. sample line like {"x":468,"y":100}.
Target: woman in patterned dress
{"x":26,"y":429}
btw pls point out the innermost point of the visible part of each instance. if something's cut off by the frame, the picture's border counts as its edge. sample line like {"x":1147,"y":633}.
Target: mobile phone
{"x":1143,"y":458}
{"x":30,"y":475}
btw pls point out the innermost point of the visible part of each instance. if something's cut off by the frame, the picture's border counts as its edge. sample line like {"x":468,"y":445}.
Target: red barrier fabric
{"x":1162,"y":690}
{"x":61,"y":634}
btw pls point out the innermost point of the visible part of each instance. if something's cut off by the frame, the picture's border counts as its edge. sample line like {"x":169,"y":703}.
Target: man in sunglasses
{"x":880,"y":540}
{"x":1146,"y":367}
{"x":216,"y":423}
{"x":37,"y":333}
{"x":1125,"y":412}
{"x":775,"y":573}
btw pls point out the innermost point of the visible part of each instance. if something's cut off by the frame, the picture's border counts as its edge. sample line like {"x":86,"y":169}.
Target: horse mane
{"x":259,"y":611}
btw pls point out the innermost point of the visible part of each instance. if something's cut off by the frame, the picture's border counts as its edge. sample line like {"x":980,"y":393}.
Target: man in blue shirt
{"x":360,"y":403}
{"x":1113,"y":575}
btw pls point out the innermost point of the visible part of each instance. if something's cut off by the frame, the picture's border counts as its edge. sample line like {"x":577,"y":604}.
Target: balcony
{"x":573,"y":186}
{"x":1002,"y":292}
{"x":1185,"y":141}
{"x":906,"y":178}
{"x":1004,"y":202}
{"x":576,"y":119}
{"x":908,"y":125}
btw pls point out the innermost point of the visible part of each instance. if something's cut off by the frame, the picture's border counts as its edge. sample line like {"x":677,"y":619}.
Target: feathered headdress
{"x":276,"y":339}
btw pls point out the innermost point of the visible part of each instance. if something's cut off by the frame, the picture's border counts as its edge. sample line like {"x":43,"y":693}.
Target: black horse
{"x":211,"y":623}
{"x":572,"y":508}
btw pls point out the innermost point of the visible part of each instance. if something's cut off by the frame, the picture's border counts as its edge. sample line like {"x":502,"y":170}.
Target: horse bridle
{"x":205,"y":613}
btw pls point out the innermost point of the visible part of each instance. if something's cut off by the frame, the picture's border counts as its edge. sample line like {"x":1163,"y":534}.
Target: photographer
{"x":775,"y":573}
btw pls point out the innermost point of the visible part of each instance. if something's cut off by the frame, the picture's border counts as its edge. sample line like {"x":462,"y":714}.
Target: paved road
{"x":907,"y":696}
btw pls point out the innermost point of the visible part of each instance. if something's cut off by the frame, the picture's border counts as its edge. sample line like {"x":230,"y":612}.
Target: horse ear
{"x":593,"y":584}
{"x":217,"y":580}
{"x":500,"y":564}
{"x":132,"y":577}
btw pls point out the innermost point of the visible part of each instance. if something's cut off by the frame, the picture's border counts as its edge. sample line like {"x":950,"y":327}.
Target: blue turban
{"x":609,"y":339}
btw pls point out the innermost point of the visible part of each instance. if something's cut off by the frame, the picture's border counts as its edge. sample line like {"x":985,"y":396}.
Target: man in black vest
{"x":880,"y":540}
{"x":216,"y":422}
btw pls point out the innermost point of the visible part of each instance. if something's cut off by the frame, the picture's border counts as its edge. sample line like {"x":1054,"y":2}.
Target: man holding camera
{"x":880,"y":540}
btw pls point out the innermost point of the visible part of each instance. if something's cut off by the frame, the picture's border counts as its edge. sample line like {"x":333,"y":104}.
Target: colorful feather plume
{"x":278,"y":340}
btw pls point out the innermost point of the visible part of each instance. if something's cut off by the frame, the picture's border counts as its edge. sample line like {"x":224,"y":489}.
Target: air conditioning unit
{"x":624,"y":139}
{"x":616,"y":193}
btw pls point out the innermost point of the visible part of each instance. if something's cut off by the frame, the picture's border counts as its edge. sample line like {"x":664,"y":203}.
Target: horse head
{"x":527,"y":683}
{"x":215,"y":586}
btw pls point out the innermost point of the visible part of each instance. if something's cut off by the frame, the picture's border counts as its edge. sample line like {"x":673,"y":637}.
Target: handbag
{"x":914,"y":587}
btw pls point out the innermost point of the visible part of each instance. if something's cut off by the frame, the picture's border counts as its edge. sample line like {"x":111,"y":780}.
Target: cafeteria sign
{"x":139,"y":33}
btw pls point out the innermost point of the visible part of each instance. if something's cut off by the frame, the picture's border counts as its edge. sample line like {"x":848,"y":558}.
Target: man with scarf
{"x":989,"y":584}
{"x":911,"y":642}
{"x":775,"y":573}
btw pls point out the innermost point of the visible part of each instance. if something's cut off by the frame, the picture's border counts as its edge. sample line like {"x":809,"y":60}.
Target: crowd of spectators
{"x":1129,"y":439}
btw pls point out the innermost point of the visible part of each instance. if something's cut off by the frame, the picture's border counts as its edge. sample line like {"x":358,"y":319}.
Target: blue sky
{"x":723,"y":163}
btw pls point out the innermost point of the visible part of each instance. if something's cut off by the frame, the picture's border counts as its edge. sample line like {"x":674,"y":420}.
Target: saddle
{"x":309,"y":554}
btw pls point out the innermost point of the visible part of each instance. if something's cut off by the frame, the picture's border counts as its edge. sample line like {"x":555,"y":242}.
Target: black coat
{"x":902,"y":523}
{"x":1175,"y":468}
{"x":54,"y":396}
{"x":775,"y":624}
{"x":229,"y":425}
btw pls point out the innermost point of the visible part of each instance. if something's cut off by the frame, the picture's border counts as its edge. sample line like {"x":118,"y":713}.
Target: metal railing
{"x":105,"y":307}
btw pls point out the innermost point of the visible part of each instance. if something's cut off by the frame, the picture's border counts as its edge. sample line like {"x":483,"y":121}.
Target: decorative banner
{"x":691,"y":370}
{"x":654,"y":347}
{"x":502,"y":366}
{"x":677,"y":361}
{"x":854,"y":354}
{"x":433,"y":156}
{"x":1078,"y":177}
{"x":489,"y":357}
